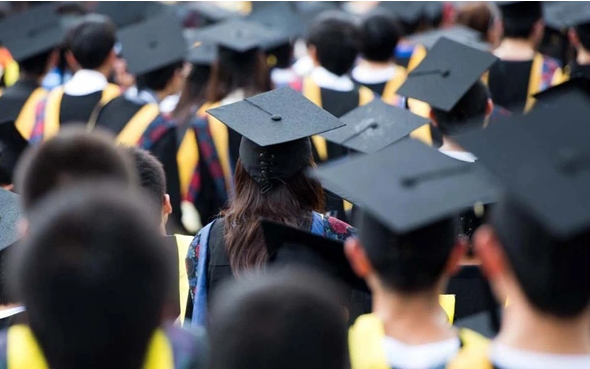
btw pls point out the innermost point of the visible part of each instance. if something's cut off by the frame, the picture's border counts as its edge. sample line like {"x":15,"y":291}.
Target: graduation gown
{"x":387,"y":89}
{"x":137,"y":123}
{"x":19,"y":102}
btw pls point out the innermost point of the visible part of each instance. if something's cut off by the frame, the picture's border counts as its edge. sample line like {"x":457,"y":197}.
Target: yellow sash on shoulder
{"x":26,"y":118}
{"x":135,"y":128}
{"x":182,"y":243}
{"x":220,"y":136}
{"x":187,"y":158}
{"x":23,"y":352}
{"x":394,"y":84}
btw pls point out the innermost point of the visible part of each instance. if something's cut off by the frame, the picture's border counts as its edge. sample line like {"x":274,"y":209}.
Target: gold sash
{"x":26,"y":118}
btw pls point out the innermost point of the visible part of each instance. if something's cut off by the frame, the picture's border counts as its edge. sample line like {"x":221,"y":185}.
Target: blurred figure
{"x":288,"y":320}
{"x":580,"y":38}
{"x":482,"y":17}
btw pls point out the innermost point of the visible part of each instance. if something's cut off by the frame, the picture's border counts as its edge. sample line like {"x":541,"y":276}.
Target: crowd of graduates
{"x":321,"y":185}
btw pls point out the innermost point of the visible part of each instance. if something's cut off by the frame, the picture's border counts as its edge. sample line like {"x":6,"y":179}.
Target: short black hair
{"x":158,"y":79}
{"x":93,"y":273}
{"x":519,"y":18}
{"x":288,"y":320}
{"x":91,"y":41}
{"x":152,"y":177}
{"x":583,"y":32}
{"x":552,"y":273}
{"x":336,"y":39}
{"x":36,"y":65}
{"x":71,"y":156}
{"x":468,"y":112}
{"x":380,"y":34}
{"x":412,"y":262}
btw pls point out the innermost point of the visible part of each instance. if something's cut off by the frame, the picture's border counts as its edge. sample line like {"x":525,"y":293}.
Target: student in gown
{"x":579,"y":36}
{"x":377,"y":69}
{"x":288,"y":319}
{"x":407,"y":251}
{"x":32,"y":38}
{"x":94,"y":275}
{"x":90,"y":51}
{"x":269,"y":182}
{"x":157,"y":59}
{"x":535,"y":249}
{"x":521,"y":71}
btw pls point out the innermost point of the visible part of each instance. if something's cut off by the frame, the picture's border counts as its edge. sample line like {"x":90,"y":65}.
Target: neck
{"x":376,"y":64}
{"x":527,"y":329}
{"x":450,"y":145}
{"x":414,"y":319}
{"x":161,"y":95}
{"x":105,"y":70}
{"x":583,"y":57}
{"x":515,"y":49}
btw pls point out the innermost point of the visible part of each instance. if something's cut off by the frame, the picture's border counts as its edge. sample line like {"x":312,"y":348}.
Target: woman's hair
{"x":193,"y":93}
{"x":290,"y":203}
{"x":233,"y":70}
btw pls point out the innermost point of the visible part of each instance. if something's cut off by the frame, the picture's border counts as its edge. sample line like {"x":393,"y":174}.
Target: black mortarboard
{"x":153,"y":44}
{"x":563,"y":91}
{"x":370,"y":128}
{"x":212,"y":13}
{"x":200,"y":52}
{"x":127,"y":13}
{"x":542,"y":161}
{"x":293,"y":247}
{"x":446,"y":74}
{"x":481,"y":323}
{"x":32,"y":32}
{"x":408,"y":184}
{"x":519,"y":10}
{"x":406,"y":11}
{"x":458,"y":33}
{"x":241,"y":35}
{"x":10,"y":213}
{"x":12,"y":145}
{"x":278,"y":15}
{"x":276,"y":126}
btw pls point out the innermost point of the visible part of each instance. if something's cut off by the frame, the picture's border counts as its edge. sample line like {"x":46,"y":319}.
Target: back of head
{"x":380,"y":34}
{"x":477,"y":16}
{"x":553,"y":274}
{"x":470,"y":111}
{"x":287,"y":320}
{"x":336,"y":39}
{"x":583,"y":32}
{"x":91,"y":41}
{"x":520,"y":17}
{"x":409,"y":263}
{"x":158,"y":79}
{"x":93,"y":273}
{"x":151,"y":175}
{"x":72,"y":156}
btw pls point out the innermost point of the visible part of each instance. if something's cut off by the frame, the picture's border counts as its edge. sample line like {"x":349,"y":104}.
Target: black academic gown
{"x":78,"y":109}
{"x":14,"y":98}
{"x":508,"y":83}
{"x":115,"y":115}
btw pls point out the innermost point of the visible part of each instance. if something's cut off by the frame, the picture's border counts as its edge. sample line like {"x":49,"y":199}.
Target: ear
{"x":538,"y":31}
{"x":313,"y":54}
{"x":489,"y":107}
{"x":457,"y":254}
{"x":112,"y":58}
{"x":166,"y":205}
{"x":71,"y":61}
{"x":489,"y":249}
{"x":357,"y":257}
{"x":432,"y":118}
{"x":572,"y":35}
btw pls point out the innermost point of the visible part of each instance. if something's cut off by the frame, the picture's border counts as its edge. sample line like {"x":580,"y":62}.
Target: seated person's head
{"x":93,"y":274}
{"x":286,"y":320}
{"x":416,"y":262}
{"x":167,"y":80}
{"x":580,"y":36}
{"x":471,"y":111}
{"x":523,"y":20}
{"x":72,"y":156}
{"x":153,"y":180}
{"x":333,"y":40}
{"x":90,"y":44}
{"x":533,"y":268}
{"x":380,"y":34}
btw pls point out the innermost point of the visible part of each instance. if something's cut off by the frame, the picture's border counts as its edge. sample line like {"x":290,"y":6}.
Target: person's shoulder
{"x":189,"y":347}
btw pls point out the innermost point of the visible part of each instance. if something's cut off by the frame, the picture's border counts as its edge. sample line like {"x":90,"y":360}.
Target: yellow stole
{"x":135,"y":128}
{"x":26,"y":118}
{"x":23,"y":351}
{"x":53,"y":107}
{"x":187,"y":158}
{"x":220,"y":136}
{"x":394,"y":84}
{"x":182,"y":243}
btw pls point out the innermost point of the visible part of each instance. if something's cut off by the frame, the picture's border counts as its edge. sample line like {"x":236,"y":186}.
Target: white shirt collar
{"x":325,"y":79}
{"x":85,"y":82}
{"x":460,"y":155}
{"x":283,"y":75}
{"x":362,"y":74}
{"x":507,"y":357}
{"x":401,"y":355}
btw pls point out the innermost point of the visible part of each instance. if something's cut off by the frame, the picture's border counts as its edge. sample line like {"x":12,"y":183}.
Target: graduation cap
{"x":242,"y":36}
{"x":408,"y":184}
{"x":276,"y":126}
{"x":406,"y":11}
{"x":447,"y":72}
{"x":290,"y":246}
{"x":278,"y":15}
{"x":517,"y":10}
{"x":153,"y":44}
{"x":10,"y":213}
{"x":127,"y":13}
{"x":543,"y":166}
{"x":199,"y":52}
{"x":563,"y":91}
{"x":560,"y":15}
{"x":458,"y":33}
{"x":212,"y":13}
{"x":12,"y":146}
{"x":371,"y":127}
{"x":32,"y":32}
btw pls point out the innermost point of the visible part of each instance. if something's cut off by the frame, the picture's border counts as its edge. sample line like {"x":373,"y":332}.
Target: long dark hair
{"x":193,"y":94}
{"x":233,"y":70}
{"x":290,"y":203}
